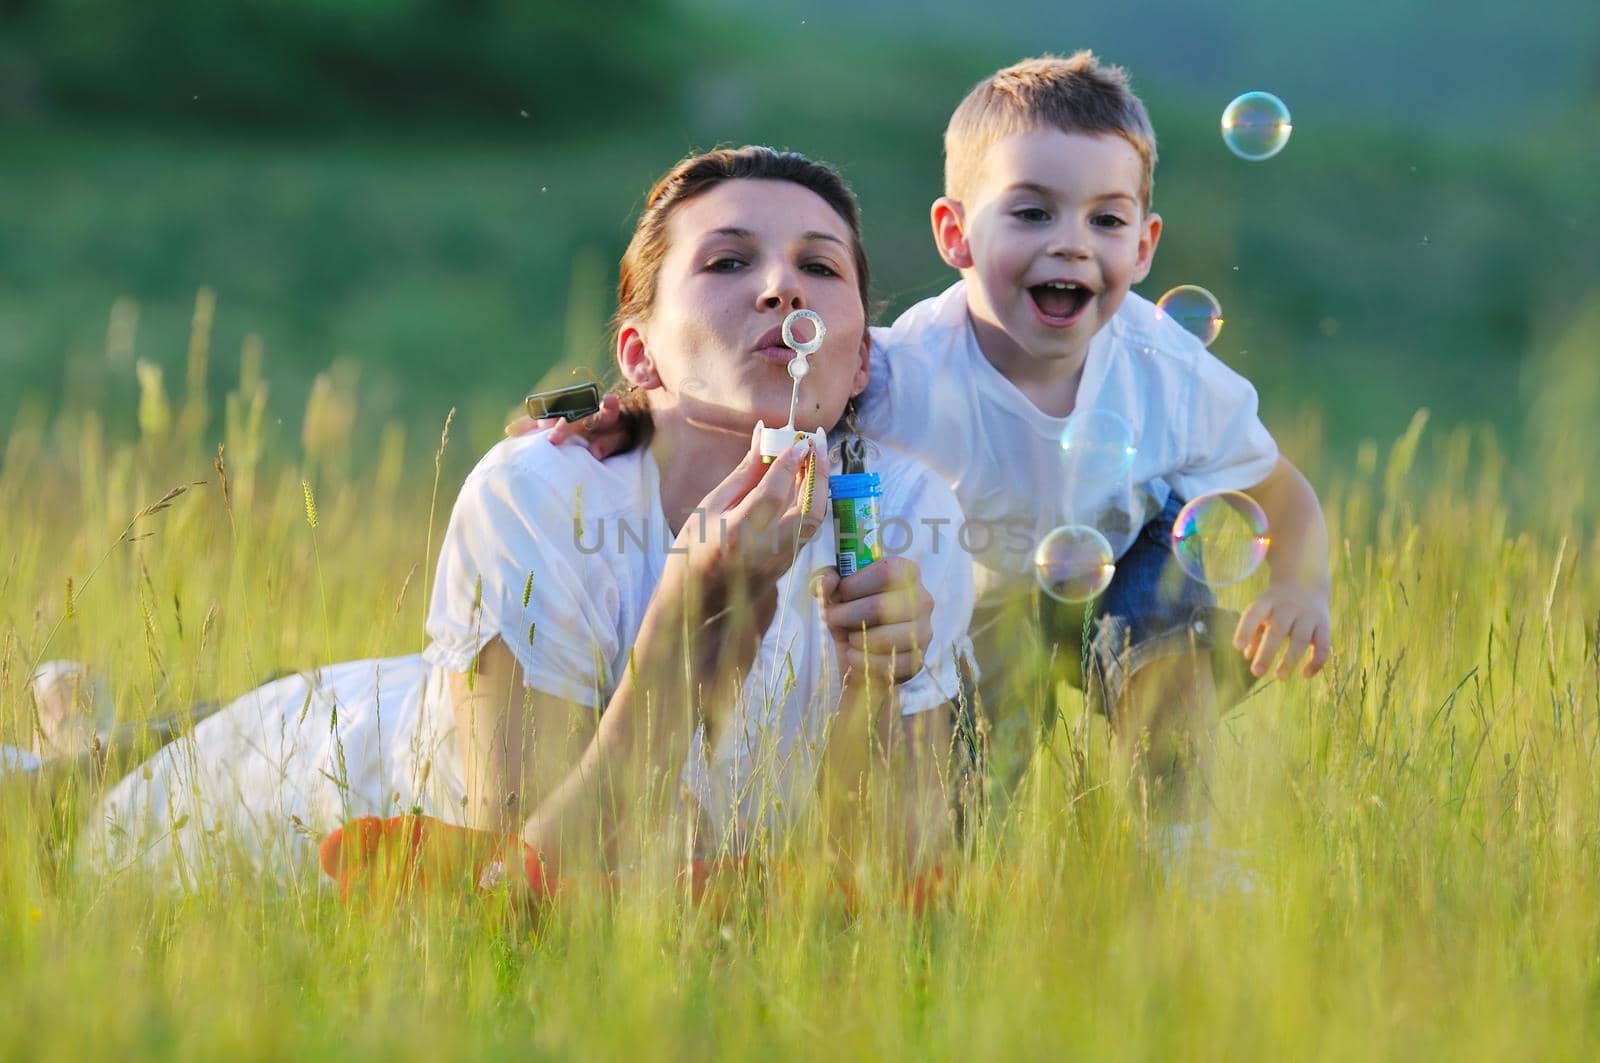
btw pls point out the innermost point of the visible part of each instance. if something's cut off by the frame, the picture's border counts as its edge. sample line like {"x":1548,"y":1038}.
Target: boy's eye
{"x":1031,"y":214}
{"x":1109,"y":221}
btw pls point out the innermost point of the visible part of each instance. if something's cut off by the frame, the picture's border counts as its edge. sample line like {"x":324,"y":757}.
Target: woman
{"x":615,"y":644}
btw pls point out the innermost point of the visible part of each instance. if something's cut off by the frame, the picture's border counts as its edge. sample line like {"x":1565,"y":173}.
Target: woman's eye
{"x":821,"y":269}
{"x":1031,"y":214}
{"x":725,"y":265}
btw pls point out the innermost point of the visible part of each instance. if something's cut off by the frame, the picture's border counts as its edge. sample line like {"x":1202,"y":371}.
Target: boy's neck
{"x":1050,"y":384}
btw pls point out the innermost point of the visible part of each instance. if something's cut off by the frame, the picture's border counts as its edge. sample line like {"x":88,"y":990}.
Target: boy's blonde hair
{"x":1075,"y":95}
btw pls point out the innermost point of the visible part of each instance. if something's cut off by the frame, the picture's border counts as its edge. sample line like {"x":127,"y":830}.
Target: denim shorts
{"x":1151,"y":609}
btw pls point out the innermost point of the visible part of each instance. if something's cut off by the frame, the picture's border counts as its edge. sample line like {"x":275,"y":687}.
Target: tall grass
{"x":1421,"y":820}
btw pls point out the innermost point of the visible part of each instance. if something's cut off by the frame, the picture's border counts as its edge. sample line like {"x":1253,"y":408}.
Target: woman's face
{"x":741,"y":257}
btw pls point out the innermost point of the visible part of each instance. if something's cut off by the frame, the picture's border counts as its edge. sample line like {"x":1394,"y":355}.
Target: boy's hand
{"x":1286,"y":615}
{"x":881,"y":617}
{"x":603,"y":432}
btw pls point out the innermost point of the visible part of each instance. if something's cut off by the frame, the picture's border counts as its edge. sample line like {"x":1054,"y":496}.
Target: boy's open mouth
{"x":1060,"y":300}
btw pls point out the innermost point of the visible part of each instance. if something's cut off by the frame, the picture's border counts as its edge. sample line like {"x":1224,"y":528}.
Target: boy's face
{"x":1049,"y":238}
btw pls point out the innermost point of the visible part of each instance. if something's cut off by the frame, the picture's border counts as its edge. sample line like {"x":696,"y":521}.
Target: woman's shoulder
{"x":558,"y":482}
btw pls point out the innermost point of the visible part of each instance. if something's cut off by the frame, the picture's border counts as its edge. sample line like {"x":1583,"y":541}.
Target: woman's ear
{"x":634,"y":360}
{"x":949,"y":219}
{"x":858,"y":383}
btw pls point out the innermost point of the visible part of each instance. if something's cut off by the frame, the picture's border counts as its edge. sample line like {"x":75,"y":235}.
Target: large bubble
{"x":1073,"y":563}
{"x":1196,"y":309}
{"x":1099,"y":445}
{"x":1256,"y":126}
{"x":1220,"y":537}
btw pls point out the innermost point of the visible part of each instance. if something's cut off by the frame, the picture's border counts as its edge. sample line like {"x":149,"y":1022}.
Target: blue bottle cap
{"x":855,"y":485}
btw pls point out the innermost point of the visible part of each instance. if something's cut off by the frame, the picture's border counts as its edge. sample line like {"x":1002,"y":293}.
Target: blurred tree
{"x":332,"y":63}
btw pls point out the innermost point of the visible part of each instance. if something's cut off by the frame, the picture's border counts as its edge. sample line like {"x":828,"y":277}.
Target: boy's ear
{"x":1149,"y":237}
{"x":634,"y":360}
{"x":949,"y":219}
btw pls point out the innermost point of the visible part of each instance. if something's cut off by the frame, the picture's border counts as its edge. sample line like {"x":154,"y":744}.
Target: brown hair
{"x":1077,"y":94}
{"x":641,"y":262}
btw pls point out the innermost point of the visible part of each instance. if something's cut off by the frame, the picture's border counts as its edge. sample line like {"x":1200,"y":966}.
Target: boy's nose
{"x":1069,"y":241}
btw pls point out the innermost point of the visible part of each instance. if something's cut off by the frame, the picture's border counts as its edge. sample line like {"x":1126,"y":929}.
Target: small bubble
{"x":1426,"y":240}
{"x":1099,"y":445}
{"x":1073,"y":563}
{"x":523,"y":113}
{"x":1256,"y":126}
{"x":1220,"y":537}
{"x":544,"y":188}
{"x":1196,"y":309}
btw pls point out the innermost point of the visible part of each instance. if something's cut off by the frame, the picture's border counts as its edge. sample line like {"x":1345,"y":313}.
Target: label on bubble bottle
{"x":855,"y":520}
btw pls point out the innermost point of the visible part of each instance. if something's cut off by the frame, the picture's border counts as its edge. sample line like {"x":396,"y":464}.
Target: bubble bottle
{"x":856,"y":494}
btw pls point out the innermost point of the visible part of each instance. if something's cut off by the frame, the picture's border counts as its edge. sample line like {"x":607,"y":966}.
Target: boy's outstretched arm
{"x":1293,"y":611}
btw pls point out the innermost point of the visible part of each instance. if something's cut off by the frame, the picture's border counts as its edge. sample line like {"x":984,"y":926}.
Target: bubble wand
{"x":774,"y":441}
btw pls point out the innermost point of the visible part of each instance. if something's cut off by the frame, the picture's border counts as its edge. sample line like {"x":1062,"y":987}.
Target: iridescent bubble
{"x":1196,"y":309}
{"x":1099,"y":445}
{"x":1220,"y":537}
{"x":1256,"y":126}
{"x":1073,"y":563}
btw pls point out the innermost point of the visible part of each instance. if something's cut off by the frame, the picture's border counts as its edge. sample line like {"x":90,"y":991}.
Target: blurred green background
{"x":431,"y":195}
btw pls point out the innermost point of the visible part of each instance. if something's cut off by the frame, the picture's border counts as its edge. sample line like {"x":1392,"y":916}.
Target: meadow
{"x":1420,"y":821}
{"x":311,"y":269}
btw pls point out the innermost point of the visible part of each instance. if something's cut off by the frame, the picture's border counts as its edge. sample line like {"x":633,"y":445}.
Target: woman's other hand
{"x":881,"y":619}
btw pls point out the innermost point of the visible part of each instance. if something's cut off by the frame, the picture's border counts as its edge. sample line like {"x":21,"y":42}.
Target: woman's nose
{"x":783,"y":289}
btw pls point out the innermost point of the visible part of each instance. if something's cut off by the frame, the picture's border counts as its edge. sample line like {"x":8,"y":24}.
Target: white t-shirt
{"x":592,"y":538}
{"x":932,"y":393}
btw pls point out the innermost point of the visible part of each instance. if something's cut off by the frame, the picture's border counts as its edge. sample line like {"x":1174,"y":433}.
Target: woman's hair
{"x":640,"y":270}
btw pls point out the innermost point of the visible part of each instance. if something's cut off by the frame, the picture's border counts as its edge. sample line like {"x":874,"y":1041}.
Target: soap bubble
{"x":804,"y":348}
{"x":1196,"y":309}
{"x":1256,"y":126}
{"x":1099,"y":445}
{"x":1073,"y":563}
{"x":1220,"y":537}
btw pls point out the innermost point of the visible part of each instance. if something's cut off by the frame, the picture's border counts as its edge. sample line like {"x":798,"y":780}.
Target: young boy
{"x":1047,"y":217}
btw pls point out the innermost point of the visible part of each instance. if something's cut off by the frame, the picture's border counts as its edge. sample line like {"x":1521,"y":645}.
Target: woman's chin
{"x":769,"y":410}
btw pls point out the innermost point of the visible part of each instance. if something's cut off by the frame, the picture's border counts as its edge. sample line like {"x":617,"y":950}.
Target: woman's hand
{"x":746,"y":533}
{"x":881,"y":619}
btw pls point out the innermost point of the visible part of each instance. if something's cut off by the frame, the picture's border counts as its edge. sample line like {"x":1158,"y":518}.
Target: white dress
{"x":557,"y":554}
